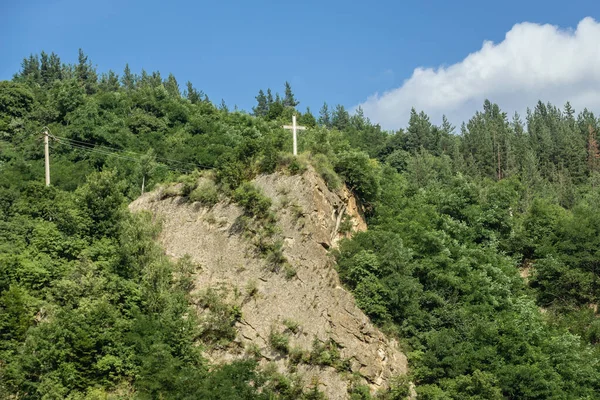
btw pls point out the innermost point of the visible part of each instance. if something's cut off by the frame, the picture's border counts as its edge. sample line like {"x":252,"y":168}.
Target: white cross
{"x":294,"y":128}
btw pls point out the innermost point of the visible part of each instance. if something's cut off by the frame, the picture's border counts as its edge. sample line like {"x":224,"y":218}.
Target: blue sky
{"x":334,"y":51}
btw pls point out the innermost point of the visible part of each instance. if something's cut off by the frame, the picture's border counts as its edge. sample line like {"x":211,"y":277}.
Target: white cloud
{"x":533,"y":62}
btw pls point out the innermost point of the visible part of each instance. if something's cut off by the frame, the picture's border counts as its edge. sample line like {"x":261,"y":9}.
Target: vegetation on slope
{"x":89,"y":305}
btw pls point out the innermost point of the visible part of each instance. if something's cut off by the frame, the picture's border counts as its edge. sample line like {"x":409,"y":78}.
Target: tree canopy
{"x":482,"y":255}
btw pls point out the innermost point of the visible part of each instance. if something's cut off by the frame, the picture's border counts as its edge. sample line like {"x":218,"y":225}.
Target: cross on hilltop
{"x":294,"y":128}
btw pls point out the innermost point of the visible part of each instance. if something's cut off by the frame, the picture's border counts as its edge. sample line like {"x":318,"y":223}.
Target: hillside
{"x":99,"y":302}
{"x":313,"y":301}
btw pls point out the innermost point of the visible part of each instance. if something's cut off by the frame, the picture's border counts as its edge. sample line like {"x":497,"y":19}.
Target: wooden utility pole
{"x":47,"y":156}
{"x":294,"y":128}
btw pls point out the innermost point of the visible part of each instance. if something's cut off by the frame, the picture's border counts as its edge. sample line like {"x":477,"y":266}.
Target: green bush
{"x":218,"y":323}
{"x":295,"y":165}
{"x":289,"y":271}
{"x":328,"y":354}
{"x":169,"y":191}
{"x":252,"y":200}
{"x":359,"y":173}
{"x":189,"y":183}
{"x":346,"y":224}
{"x":206,"y":193}
{"x":279,"y":342}
{"x":324,"y":168}
{"x":297,"y":355}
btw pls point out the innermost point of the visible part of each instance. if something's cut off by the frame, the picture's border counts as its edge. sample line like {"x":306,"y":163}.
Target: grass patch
{"x":252,"y":288}
{"x":289,"y":271}
{"x":291,"y":325}
{"x":253,"y":351}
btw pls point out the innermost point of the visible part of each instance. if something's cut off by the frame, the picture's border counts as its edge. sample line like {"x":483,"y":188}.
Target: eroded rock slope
{"x":309,"y":216}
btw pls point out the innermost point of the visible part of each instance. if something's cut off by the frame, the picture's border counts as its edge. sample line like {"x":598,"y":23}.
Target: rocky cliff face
{"x":313,"y":302}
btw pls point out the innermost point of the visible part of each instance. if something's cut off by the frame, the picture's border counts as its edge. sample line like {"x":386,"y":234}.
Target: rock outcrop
{"x":308,"y":216}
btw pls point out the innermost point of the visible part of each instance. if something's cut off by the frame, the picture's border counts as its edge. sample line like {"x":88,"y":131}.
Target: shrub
{"x":252,"y":200}
{"x":399,"y":388}
{"x":189,"y":182}
{"x":275,"y":256}
{"x":279,"y":342}
{"x":360,"y":174}
{"x":298,"y":166}
{"x":359,"y":392}
{"x":297,"y":355}
{"x":289,"y":271}
{"x":346,"y":224}
{"x":325,"y":169}
{"x":206,"y":193}
{"x":253,"y":351}
{"x":218,"y":324}
{"x":291,"y":325}
{"x":169,"y":191}
{"x":328,"y":354}
{"x":294,"y":165}
{"x":252,"y":288}
{"x":297,"y":211}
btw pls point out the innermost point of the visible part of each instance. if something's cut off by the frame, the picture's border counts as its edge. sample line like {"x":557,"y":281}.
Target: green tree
{"x":289,"y":100}
{"x":340,"y":119}
{"x":360,"y":174}
{"x":307,"y":119}
{"x":324,"y":116}
{"x":128,"y":79}
{"x":86,"y":73}
{"x":262,"y":106}
{"x":172,"y":87}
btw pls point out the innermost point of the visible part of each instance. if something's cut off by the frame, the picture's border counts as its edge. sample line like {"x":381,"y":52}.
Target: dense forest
{"x":482,"y":255}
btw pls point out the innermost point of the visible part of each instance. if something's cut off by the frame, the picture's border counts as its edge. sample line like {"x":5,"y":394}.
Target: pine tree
{"x":289,"y":100}
{"x":307,"y":119}
{"x":50,"y":68}
{"x":172,"y":86}
{"x":155,"y":79}
{"x":340,"y":118}
{"x":223,"y":106}
{"x":569,"y":112}
{"x":325,"y":116}
{"x":269,"y":98}
{"x":193,"y":95}
{"x":275,"y":108}
{"x":262,"y":107}
{"x":109,"y":82}
{"x":358,"y":120}
{"x":30,"y":69}
{"x":44,"y":67}
{"x":86,"y":73}
{"x":447,"y":127}
{"x":419,"y":132}
{"x":128,"y":79}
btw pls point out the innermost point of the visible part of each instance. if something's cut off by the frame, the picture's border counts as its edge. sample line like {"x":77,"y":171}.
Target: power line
{"x":115,"y":155}
{"x":112,"y":149}
{"x":124,"y":154}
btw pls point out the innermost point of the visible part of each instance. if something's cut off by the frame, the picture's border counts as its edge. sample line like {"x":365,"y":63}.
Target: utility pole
{"x":294,"y":128}
{"x":47,"y":156}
